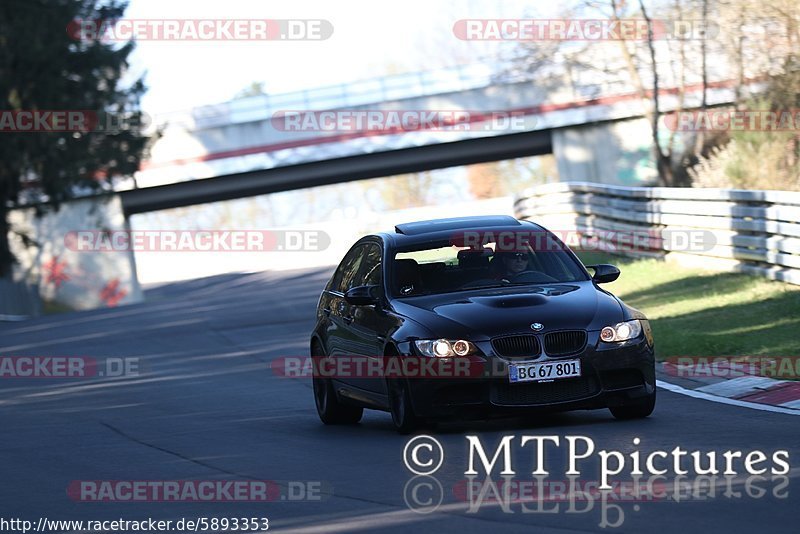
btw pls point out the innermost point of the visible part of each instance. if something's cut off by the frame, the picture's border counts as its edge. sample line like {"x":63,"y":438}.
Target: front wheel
{"x":403,"y":416}
{"x":636,"y":410}
{"x":330,"y":410}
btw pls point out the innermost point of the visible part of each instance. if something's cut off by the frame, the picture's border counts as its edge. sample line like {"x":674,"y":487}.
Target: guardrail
{"x":724,"y":229}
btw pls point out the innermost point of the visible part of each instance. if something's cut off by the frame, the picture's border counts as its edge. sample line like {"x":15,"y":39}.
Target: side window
{"x":343,"y":277}
{"x":370,"y":274}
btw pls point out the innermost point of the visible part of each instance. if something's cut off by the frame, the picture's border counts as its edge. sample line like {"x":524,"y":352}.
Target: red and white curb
{"x":749,"y":391}
{"x":758,"y":389}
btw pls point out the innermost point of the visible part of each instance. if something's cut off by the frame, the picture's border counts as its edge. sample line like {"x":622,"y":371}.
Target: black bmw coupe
{"x":473,"y":317}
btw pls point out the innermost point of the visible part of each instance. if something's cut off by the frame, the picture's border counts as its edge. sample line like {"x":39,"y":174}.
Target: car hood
{"x":487,"y":313}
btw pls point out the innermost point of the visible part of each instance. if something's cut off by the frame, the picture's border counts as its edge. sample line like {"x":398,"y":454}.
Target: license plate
{"x":543,"y":372}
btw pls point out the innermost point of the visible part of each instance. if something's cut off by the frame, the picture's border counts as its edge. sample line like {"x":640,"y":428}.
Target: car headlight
{"x":621,"y":331}
{"x":444,"y":348}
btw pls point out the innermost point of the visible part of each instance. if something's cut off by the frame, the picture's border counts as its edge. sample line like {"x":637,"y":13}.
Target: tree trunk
{"x":6,"y":258}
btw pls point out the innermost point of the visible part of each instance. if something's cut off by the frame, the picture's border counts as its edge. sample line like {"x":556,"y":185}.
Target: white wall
{"x":78,"y":280}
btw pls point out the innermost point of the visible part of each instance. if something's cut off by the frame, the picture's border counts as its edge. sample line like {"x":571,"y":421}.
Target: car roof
{"x":456,"y":223}
{"x":445,"y":229}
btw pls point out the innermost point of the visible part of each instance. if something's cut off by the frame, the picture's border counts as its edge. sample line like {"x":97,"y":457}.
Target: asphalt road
{"x":205,"y":405}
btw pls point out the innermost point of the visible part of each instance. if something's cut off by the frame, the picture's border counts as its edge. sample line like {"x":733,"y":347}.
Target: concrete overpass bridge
{"x":242,"y":148}
{"x":593,"y":125}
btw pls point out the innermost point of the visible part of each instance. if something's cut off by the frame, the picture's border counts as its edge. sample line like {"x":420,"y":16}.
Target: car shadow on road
{"x":379,"y":422}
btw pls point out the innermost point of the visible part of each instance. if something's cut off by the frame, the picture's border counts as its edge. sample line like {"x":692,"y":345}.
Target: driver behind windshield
{"x":506,"y":265}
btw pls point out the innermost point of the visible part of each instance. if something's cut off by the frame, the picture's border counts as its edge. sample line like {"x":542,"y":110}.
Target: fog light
{"x":607,"y":334}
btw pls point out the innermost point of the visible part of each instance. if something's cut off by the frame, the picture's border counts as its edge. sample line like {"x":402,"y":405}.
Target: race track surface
{"x":205,"y":405}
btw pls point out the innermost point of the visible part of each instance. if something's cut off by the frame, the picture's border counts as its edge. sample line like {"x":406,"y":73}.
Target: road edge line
{"x":725,"y":400}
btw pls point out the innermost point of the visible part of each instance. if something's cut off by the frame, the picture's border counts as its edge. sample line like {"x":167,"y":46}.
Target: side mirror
{"x":362,"y":295}
{"x":604,"y":273}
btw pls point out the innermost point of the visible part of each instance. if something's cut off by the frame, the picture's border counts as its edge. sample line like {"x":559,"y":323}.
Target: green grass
{"x":697,"y":313}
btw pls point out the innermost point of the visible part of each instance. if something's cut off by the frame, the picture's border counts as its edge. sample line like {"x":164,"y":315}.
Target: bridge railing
{"x":357,"y":93}
{"x":586,"y":83}
{"x":723,"y":229}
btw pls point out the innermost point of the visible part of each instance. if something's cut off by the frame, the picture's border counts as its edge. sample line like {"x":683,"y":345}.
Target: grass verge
{"x":697,"y":313}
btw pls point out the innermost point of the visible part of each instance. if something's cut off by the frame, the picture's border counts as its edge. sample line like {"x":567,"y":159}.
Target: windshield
{"x":441,"y":267}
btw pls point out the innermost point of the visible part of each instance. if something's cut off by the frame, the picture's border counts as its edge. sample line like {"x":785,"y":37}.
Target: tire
{"x":638,"y":410}
{"x":403,"y":417}
{"x":331,"y":411}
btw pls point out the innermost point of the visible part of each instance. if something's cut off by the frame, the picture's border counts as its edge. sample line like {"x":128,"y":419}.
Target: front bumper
{"x":611,"y":375}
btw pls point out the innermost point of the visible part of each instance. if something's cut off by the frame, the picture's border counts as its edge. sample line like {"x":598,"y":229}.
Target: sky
{"x":370,"y":39}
